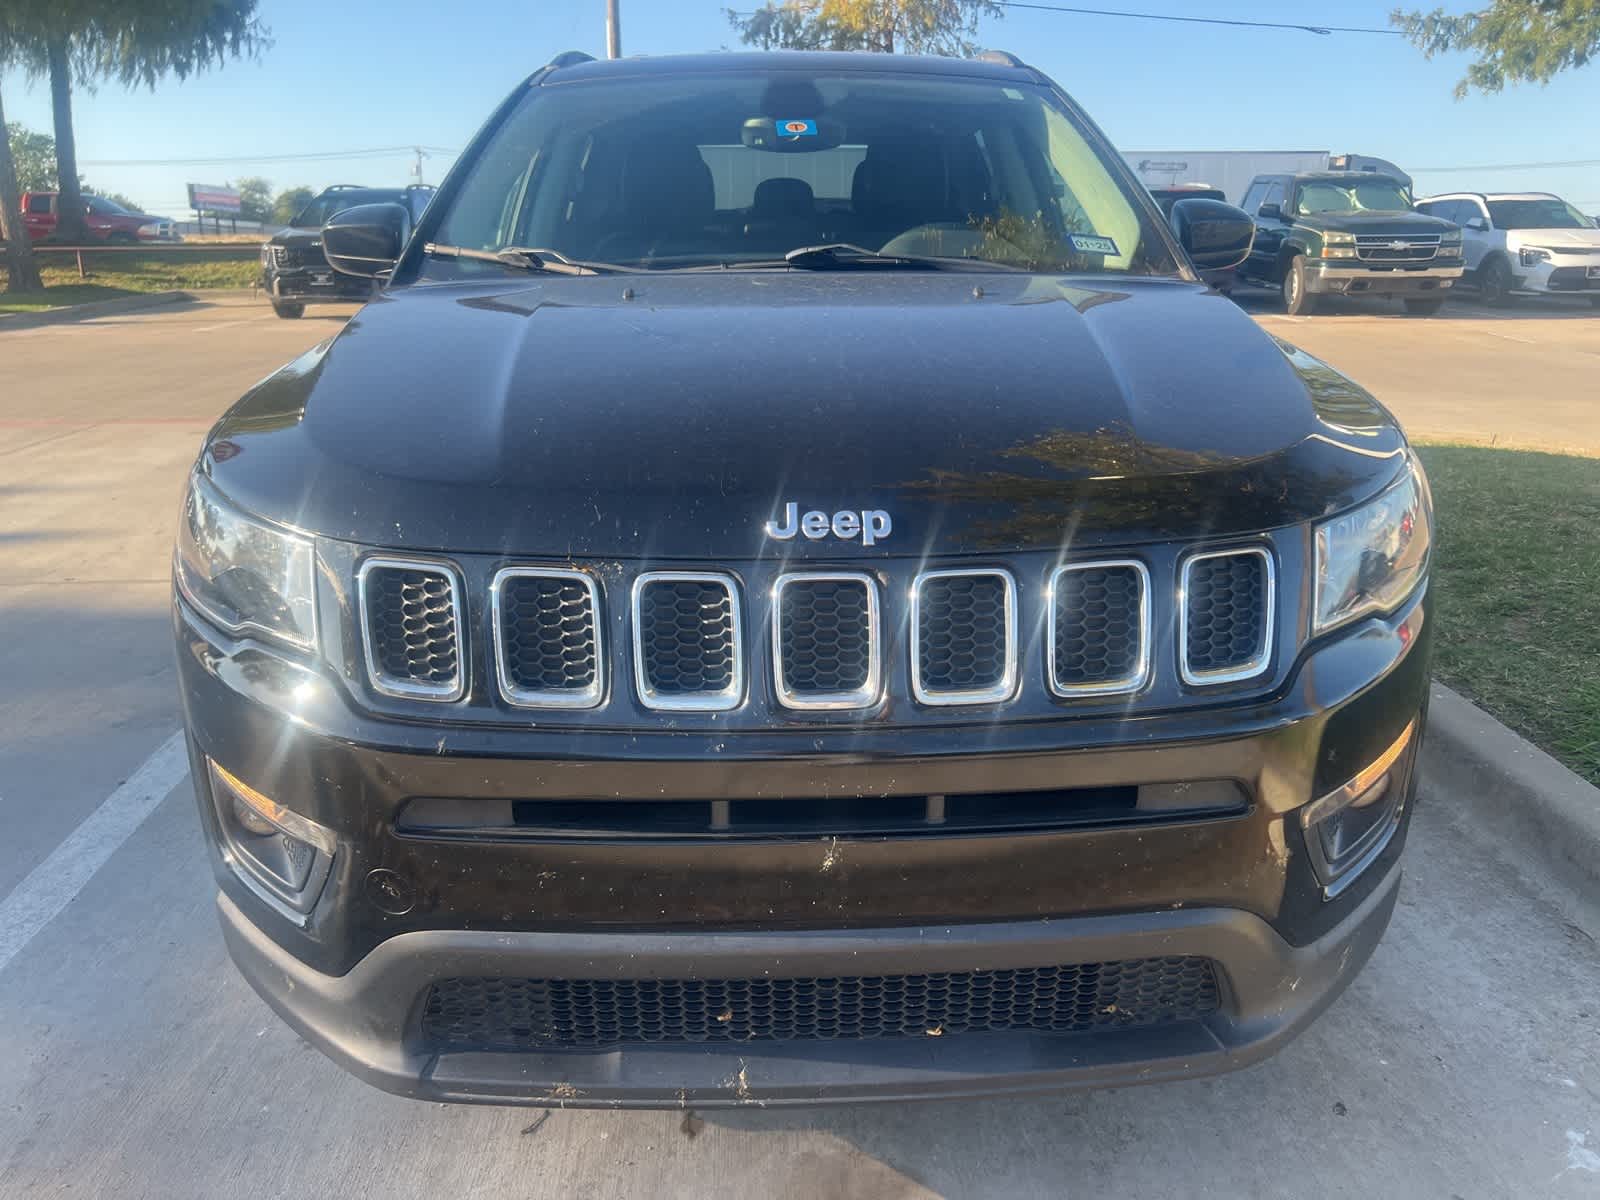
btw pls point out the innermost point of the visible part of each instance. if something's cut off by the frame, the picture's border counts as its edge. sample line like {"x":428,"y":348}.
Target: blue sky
{"x":437,"y":69}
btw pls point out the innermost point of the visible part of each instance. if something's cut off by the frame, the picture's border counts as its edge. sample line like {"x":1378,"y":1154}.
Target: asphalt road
{"x":1464,"y":1062}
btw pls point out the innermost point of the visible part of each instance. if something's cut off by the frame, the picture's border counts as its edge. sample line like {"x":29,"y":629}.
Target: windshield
{"x":1546,"y":212}
{"x":740,"y":168}
{"x":1368,"y":195}
{"x":324,"y":208}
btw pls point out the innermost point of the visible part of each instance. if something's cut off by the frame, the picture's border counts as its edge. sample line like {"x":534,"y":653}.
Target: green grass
{"x":118,"y":274}
{"x":1517,"y":573}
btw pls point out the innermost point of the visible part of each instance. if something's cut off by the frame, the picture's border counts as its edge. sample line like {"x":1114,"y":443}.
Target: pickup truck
{"x":108,"y":221}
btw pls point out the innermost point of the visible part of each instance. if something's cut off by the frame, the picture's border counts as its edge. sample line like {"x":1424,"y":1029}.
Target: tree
{"x":255,"y":198}
{"x":289,"y":203}
{"x":22,"y":270}
{"x":911,"y":26}
{"x":35,"y":157}
{"x":1513,"y":41}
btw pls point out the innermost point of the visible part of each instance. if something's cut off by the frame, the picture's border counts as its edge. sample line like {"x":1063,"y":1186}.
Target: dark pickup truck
{"x":1348,"y":233}
{"x":865,"y":622}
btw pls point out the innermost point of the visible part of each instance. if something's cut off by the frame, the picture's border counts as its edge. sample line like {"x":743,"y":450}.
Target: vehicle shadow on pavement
{"x":1267,"y":303}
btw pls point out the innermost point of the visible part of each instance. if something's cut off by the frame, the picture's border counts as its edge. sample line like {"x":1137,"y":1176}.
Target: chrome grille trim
{"x":1006,"y":688}
{"x":410,"y":689}
{"x":1110,"y":687}
{"x":1257,"y":664}
{"x":588,"y":697}
{"x":863,"y":697}
{"x":719,"y":701}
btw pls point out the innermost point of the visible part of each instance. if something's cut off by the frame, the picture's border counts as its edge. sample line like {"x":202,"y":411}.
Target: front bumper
{"x":1237,"y":888}
{"x":1566,"y":275}
{"x":311,"y":284}
{"x":1348,"y":277}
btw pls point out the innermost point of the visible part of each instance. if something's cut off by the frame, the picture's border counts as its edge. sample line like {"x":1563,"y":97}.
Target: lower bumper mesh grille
{"x":527,"y":1014}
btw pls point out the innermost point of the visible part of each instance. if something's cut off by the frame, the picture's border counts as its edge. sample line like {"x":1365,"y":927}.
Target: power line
{"x":1527,"y":166}
{"x":252,"y":159}
{"x":1323,"y":30}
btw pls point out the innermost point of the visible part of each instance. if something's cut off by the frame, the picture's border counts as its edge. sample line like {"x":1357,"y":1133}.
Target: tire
{"x":1296,"y":300}
{"x":1424,"y":306}
{"x":1495,"y":283}
{"x":289,"y":309}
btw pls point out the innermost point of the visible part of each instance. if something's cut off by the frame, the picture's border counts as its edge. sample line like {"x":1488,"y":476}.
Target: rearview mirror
{"x":366,"y":240}
{"x":1272,"y":211}
{"x":1215,"y":235}
{"x":1478,"y":224}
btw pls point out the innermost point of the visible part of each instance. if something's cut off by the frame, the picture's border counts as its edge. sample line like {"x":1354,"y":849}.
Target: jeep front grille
{"x":963,"y":637}
{"x":547,"y":637}
{"x":1099,"y":636}
{"x":1225,"y":632}
{"x":492,"y":1014}
{"x":412,"y":628}
{"x":687,"y":642}
{"x":825,"y":642}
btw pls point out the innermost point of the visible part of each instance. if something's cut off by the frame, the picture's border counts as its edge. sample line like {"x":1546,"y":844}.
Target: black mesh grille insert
{"x":527,"y":1014}
{"x":825,"y":635}
{"x":547,"y":628}
{"x":687,"y":639}
{"x":411,"y":625}
{"x":961,"y":633}
{"x":1098,"y":628}
{"x":1226,"y":612}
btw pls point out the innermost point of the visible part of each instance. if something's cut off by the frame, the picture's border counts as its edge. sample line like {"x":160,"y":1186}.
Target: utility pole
{"x":613,"y":30}
{"x":421,"y":154}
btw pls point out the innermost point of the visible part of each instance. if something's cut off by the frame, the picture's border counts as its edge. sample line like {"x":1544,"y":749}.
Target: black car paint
{"x":488,"y":417}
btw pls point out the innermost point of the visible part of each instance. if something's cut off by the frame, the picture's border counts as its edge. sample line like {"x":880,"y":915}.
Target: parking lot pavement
{"x":1464,"y":1061}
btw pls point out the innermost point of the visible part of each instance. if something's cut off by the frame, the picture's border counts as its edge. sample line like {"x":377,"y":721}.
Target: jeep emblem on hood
{"x":872,"y":524}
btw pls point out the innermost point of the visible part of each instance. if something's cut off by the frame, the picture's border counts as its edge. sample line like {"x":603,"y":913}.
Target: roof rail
{"x":571,"y":58}
{"x":1002,"y":58}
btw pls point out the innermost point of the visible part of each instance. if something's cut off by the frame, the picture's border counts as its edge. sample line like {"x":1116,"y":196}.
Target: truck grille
{"x":964,"y":637}
{"x":549,"y":642}
{"x":825,"y":640}
{"x":412,"y":627}
{"x":1226,"y":632}
{"x":1406,"y":248}
{"x":530,"y":1014}
{"x":1099,"y":636}
{"x":686,"y":640}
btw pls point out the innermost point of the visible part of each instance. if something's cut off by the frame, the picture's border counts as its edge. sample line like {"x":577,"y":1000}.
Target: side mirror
{"x":1478,"y":224}
{"x":366,"y":240}
{"x":1272,"y":211}
{"x":1215,"y":235}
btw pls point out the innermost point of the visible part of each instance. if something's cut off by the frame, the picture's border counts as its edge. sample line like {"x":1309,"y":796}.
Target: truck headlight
{"x":243,"y":574}
{"x":1338,"y":244}
{"x":1373,"y":557}
{"x":1532,"y":256}
{"x":1451,"y":237}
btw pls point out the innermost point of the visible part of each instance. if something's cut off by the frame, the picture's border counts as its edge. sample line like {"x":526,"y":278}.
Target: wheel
{"x":1495,"y":283}
{"x":288,"y":309}
{"x":1424,"y":306}
{"x":1296,"y":300}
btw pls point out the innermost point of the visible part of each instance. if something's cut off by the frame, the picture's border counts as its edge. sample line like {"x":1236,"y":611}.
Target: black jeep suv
{"x":294,"y":271}
{"x":1348,"y":233}
{"x":793,"y":591}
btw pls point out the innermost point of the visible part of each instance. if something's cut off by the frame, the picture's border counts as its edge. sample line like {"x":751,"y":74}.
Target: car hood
{"x":1397,"y":224}
{"x":1586,"y":239}
{"x":298,"y":237}
{"x":674,"y":415}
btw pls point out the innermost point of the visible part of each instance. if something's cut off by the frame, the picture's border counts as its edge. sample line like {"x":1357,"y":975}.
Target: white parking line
{"x":53,"y":884}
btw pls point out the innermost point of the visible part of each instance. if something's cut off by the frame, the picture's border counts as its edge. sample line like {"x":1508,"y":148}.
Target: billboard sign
{"x":210,"y":198}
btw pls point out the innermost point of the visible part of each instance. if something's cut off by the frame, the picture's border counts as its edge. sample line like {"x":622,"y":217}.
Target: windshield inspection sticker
{"x":1089,"y":244}
{"x":797,"y":128}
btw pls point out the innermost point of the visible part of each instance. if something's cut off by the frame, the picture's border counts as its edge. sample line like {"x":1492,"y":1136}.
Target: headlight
{"x":1338,"y":237}
{"x":1532,"y":256}
{"x":153,"y":229}
{"x":243,"y":574}
{"x":1450,"y":237}
{"x":1371,"y":559}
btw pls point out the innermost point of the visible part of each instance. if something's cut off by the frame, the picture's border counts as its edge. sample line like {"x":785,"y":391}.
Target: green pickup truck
{"x":1348,"y":233}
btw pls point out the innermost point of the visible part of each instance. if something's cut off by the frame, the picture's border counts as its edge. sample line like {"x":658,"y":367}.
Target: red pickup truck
{"x":107,"y":220}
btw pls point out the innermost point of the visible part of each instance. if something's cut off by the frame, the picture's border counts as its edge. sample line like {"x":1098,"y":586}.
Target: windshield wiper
{"x":551,"y":262}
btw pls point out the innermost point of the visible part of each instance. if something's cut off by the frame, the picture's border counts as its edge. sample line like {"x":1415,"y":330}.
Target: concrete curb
{"x":1510,"y":790}
{"x":95,"y":308}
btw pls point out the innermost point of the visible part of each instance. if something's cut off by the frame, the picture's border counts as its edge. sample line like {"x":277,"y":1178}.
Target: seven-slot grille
{"x":412,"y":628}
{"x":1225,"y":629}
{"x":963,"y":637}
{"x":688,"y":651}
{"x":1099,"y":635}
{"x":1411,"y":247}
{"x":825,"y":643}
{"x":548,"y":637}
{"x":491,"y":1014}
